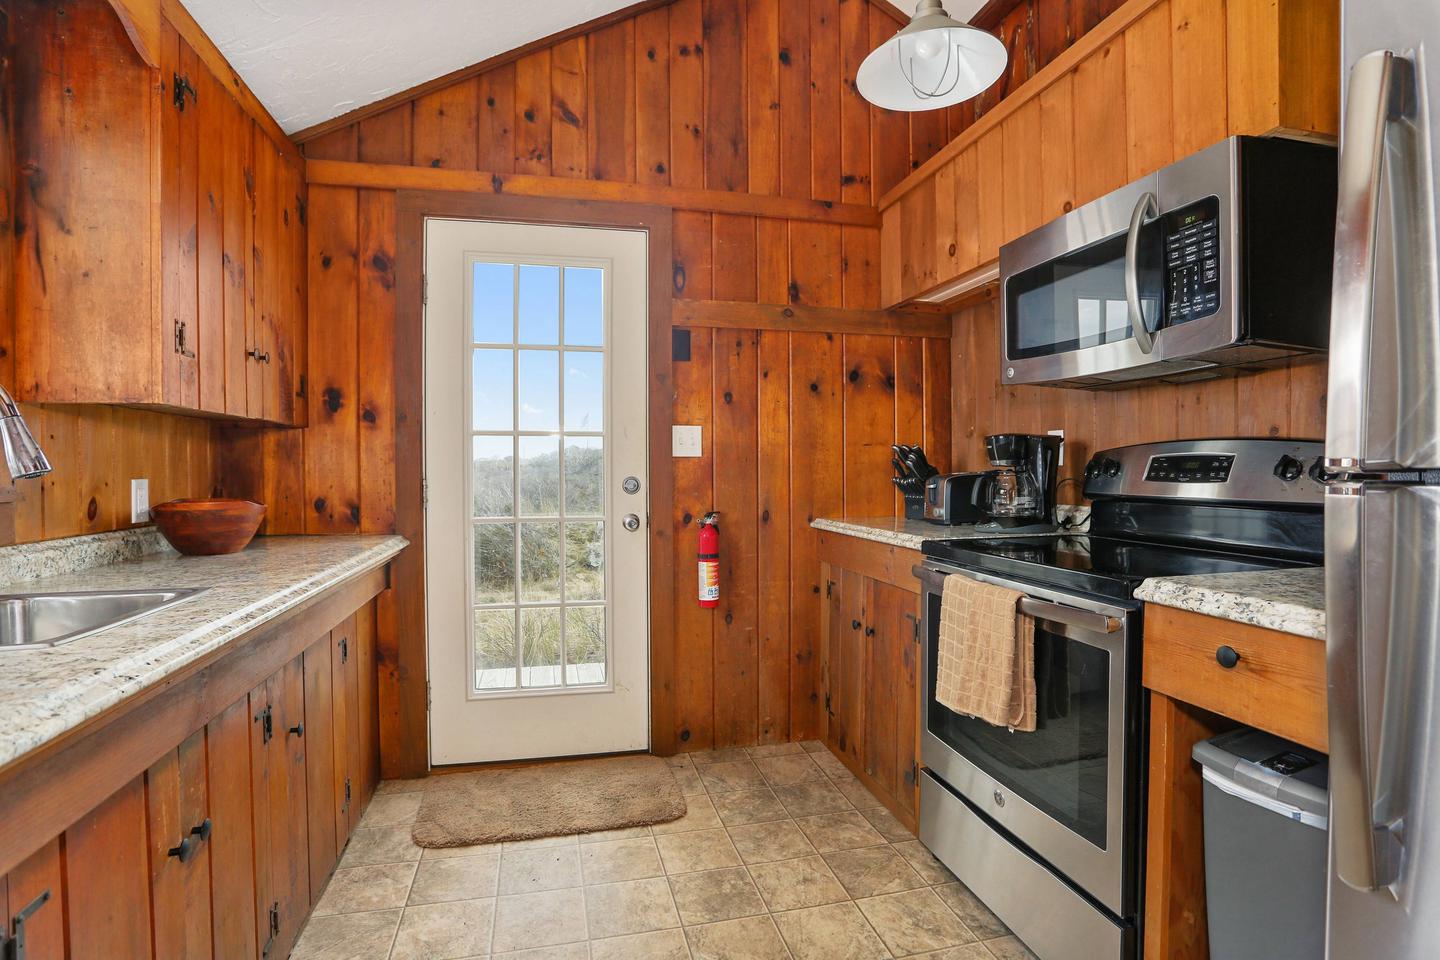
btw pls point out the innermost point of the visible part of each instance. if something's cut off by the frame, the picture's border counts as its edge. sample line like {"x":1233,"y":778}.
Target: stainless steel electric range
{"x":1046,"y":827}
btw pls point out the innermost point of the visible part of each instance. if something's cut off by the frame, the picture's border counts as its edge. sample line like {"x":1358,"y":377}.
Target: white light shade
{"x":934,"y":62}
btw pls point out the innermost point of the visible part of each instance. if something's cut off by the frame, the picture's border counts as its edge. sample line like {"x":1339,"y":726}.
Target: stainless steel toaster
{"x":954,"y":498}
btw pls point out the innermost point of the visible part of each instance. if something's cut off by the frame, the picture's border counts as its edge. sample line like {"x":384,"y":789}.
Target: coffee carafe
{"x":1020,"y":493}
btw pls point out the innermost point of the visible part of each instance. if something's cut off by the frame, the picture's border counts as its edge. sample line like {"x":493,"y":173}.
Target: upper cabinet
{"x":1155,"y":81}
{"x":161,"y":225}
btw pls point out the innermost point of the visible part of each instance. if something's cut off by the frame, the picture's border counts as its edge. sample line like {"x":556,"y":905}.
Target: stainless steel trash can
{"x":1265,"y":847}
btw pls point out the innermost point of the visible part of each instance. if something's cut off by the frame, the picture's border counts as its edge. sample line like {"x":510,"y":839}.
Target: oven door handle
{"x":1145,"y":207}
{"x":1040,"y":609}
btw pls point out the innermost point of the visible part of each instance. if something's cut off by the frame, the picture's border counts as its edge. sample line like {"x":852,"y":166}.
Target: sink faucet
{"x":22,"y":454}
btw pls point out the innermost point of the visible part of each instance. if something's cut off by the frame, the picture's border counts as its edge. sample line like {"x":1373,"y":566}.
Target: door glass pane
{"x":540,"y":647}
{"x":584,"y":645}
{"x":539,"y":390}
{"x":585,"y":561}
{"x":584,"y":308}
{"x":584,"y":391}
{"x":539,"y":304}
{"x":584,"y":475}
{"x":539,"y":561}
{"x":493,"y":387}
{"x":540,"y":476}
{"x":493,"y":302}
{"x":492,"y":476}
{"x":494,"y":563}
{"x":495,"y":649}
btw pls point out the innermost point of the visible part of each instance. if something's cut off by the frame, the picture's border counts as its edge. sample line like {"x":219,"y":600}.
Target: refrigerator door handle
{"x":1362,"y":144}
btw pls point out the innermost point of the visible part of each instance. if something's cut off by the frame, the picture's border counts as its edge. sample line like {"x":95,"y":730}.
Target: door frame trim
{"x":409,"y":755}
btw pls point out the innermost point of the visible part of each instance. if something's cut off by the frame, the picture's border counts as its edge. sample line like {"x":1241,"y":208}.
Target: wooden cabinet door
{"x":290,"y":860}
{"x":907,"y":703}
{"x":368,"y":687}
{"x":107,"y":879}
{"x":287,"y":334}
{"x":262,"y":733}
{"x":264,"y":269}
{"x":179,"y":170}
{"x":22,"y":889}
{"x":347,"y":642}
{"x":175,"y":796}
{"x":232,"y":834}
{"x":848,"y":670}
{"x":320,"y":764}
{"x":831,"y":617}
{"x":882,"y":669}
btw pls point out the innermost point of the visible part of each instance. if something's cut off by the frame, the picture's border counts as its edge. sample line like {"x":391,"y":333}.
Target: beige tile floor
{"x":782,"y":856}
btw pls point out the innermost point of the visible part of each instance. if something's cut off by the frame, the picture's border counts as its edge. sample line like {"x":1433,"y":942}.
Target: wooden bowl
{"x":203,"y":528}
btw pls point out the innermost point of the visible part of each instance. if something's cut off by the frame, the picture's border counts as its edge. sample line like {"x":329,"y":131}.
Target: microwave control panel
{"x":1192,"y":261}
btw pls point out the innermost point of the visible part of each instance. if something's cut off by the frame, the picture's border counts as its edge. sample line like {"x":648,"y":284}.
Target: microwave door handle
{"x":1362,"y":148}
{"x":1145,"y":208}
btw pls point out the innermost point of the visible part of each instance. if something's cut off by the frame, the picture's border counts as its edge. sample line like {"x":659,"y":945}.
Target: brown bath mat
{"x":547,"y":800}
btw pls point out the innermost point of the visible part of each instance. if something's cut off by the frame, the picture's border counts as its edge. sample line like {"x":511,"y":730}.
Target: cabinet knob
{"x":202,"y":830}
{"x":1227,"y":657}
{"x":257,"y":355}
{"x":183,"y":851}
{"x":298,"y":730}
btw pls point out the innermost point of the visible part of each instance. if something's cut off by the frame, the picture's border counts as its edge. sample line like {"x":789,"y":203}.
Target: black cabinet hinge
{"x":181,"y":347}
{"x":266,"y":719}
{"x":12,"y":947}
{"x":829,"y":587}
{"x":274,"y":929}
{"x":344,"y":650}
{"x":180,"y":87}
{"x":913,"y":774}
{"x":915,"y":625}
{"x":827,"y":706}
{"x":347,"y":794}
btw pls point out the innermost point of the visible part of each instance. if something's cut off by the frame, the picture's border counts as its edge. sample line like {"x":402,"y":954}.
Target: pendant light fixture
{"x":936,"y":61}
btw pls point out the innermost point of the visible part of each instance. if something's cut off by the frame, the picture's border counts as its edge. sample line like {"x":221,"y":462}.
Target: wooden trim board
{"x":745,"y":315}
{"x":408,"y":756}
{"x":869,"y":558}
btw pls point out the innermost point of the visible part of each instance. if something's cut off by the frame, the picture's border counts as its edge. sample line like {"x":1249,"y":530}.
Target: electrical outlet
{"x":1061,"y":435}
{"x":686,"y":441}
{"x":139,"y":501}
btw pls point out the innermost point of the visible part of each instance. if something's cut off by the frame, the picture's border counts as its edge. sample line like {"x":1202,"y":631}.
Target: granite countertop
{"x":1291,"y":601}
{"x":911,"y":534}
{"x":45,"y":692}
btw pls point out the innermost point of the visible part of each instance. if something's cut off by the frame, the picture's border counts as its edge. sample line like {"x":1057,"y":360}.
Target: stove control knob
{"x":1289,"y":469}
{"x":1092,"y":469}
{"x":1112,"y":468}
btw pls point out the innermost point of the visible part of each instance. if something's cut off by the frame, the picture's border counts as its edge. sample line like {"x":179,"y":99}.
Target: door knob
{"x":631,"y":485}
{"x":631,"y":522}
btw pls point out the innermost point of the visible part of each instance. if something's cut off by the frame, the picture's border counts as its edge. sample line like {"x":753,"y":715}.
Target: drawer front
{"x":1265,"y":679}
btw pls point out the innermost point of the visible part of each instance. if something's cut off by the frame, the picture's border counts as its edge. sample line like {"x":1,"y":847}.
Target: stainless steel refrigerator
{"x":1382,"y":512}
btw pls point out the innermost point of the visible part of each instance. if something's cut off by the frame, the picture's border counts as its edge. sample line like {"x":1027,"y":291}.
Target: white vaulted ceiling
{"x":311,"y":60}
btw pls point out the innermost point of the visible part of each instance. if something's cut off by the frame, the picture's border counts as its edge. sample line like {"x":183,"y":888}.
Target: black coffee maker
{"x":1019,"y":494}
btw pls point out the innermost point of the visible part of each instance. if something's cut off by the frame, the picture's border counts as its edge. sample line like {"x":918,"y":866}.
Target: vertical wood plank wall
{"x":732,"y":95}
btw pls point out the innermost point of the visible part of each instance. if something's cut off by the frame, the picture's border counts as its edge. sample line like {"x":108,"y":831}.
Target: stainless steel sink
{"x":30,"y":620}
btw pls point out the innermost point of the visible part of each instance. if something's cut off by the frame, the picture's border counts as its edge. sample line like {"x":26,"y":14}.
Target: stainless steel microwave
{"x":1218,"y":263}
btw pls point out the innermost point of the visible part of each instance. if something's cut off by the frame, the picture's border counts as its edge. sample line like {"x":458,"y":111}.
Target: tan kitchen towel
{"x":985,"y":666}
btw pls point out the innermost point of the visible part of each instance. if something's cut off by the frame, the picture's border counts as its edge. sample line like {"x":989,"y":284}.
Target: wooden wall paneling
{"x":891,"y":257}
{"x":694,"y":246}
{"x":736,"y":446}
{"x":869,"y":425}
{"x":212,"y":105}
{"x":1149,"y":131}
{"x":652,"y":97}
{"x":570,"y":109}
{"x":935,"y":402}
{"x":389,"y":137}
{"x":762,"y":87}
{"x":107,"y":878}
{"x":532,"y":114}
{"x":1100,"y":140}
{"x":890,"y":131}
{"x":445,"y":127}
{"x":179,"y":130}
{"x":687,"y":94}
{"x":859,"y":268}
{"x":928,"y":134}
{"x":495,"y":100}
{"x":1308,"y":385}
{"x":772,"y":260}
{"x":232,"y":855}
{"x":694,"y":497}
{"x":1266,"y":41}
{"x":815,"y":249}
{"x":332,"y":475}
{"x":727,"y":152}
{"x":816,"y":490}
{"x":827,"y":163}
{"x":909,"y":410}
{"x":773,"y":540}
{"x":1198,"y":85}
{"x":610,"y":102}
{"x":341,"y":144}
{"x":794,"y":96}
{"x":375,"y":305}
{"x":733,"y":255}
{"x":1056,"y":182}
{"x":857,"y":165}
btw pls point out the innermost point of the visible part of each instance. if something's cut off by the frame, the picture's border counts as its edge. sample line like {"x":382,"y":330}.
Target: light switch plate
{"x":686,"y":441}
{"x":139,"y":501}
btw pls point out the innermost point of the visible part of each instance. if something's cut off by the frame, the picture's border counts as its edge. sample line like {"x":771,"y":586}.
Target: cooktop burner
{"x":1106,"y":566}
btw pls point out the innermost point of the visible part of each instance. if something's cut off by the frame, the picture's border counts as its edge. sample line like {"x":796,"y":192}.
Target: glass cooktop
{"x":1106,"y":566}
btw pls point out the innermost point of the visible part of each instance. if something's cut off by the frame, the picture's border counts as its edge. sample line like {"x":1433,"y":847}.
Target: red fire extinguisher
{"x":709,"y":557}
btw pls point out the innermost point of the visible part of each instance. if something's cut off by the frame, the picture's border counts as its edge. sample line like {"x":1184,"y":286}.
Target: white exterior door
{"x":536,"y":518}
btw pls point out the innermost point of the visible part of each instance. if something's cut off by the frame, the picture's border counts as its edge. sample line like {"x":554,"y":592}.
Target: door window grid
{"x":569,"y":615}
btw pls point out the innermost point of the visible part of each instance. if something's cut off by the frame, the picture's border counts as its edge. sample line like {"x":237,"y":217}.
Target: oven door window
{"x":1078,"y":300}
{"x":1062,"y":767}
